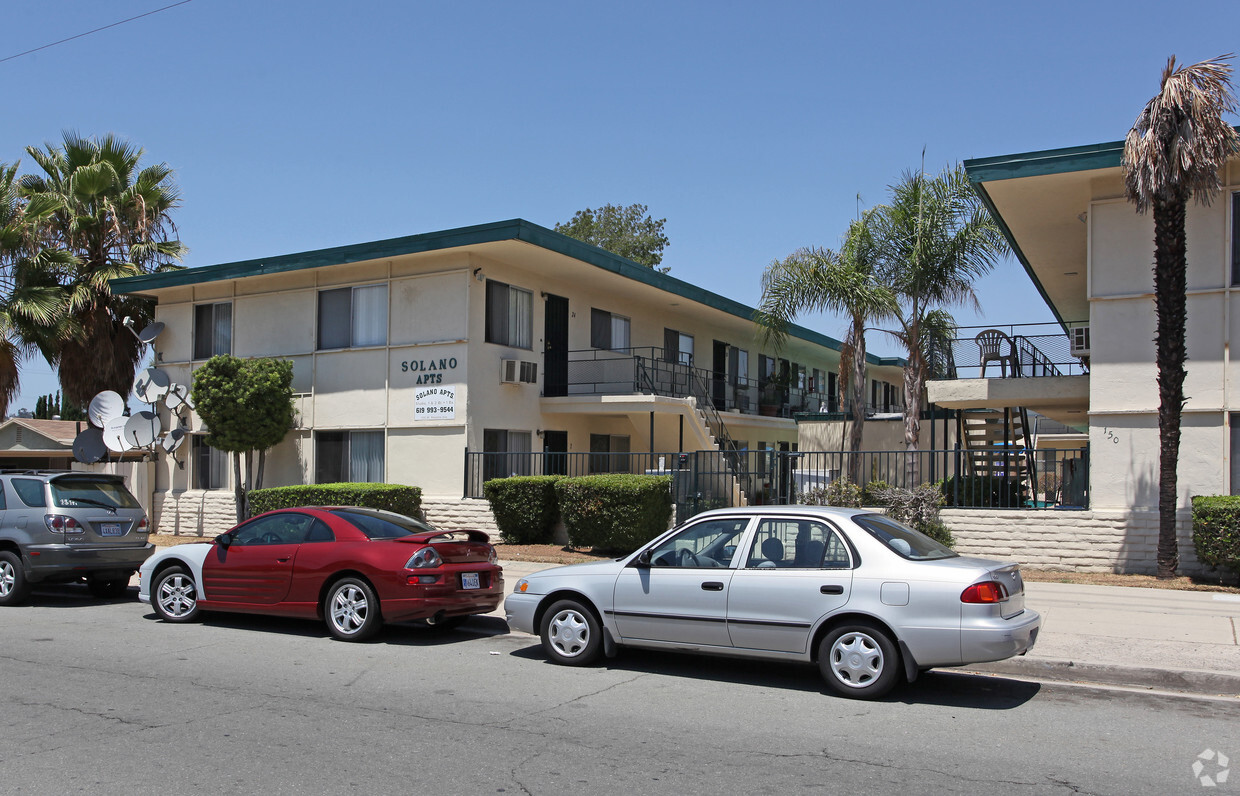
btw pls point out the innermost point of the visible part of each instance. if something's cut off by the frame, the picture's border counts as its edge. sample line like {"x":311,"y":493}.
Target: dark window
{"x":677,"y":347}
{"x":87,"y":492}
{"x":30,"y":491}
{"x":210,"y":466}
{"x":505,"y":453}
{"x":510,"y":315}
{"x":212,"y":330}
{"x":283,"y":528}
{"x":609,"y":453}
{"x":348,"y":456}
{"x":901,"y":539}
{"x":352,"y":317}
{"x":383,"y":526}
{"x":608,"y":332}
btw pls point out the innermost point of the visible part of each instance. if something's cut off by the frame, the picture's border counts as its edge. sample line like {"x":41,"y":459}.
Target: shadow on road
{"x":74,"y":595}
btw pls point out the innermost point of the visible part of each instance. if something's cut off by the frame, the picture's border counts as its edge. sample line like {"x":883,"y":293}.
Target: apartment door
{"x":555,"y":346}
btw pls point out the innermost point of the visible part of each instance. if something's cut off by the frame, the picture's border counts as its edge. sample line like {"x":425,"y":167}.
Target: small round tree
{"x":247,"y":406}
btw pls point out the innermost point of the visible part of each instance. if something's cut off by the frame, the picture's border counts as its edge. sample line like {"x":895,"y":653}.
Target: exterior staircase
{"x":997,"y":444}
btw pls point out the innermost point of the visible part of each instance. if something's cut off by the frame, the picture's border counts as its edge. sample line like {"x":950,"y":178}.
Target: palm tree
{"x":816,"y":280}
{"x":1175,"y":151}
{"x":93,"y":216}
{"x":932,"y":240}
{"x":12,"y":245}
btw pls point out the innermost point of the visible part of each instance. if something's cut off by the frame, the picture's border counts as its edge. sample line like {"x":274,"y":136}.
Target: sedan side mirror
{"x":643,"y":559}
{"x":224,"y":540}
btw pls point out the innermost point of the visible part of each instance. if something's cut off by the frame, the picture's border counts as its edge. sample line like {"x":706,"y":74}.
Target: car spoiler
{"x":431,"y":537}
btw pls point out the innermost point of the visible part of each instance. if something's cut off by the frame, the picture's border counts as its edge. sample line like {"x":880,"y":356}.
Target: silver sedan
{"x":869,"y":600}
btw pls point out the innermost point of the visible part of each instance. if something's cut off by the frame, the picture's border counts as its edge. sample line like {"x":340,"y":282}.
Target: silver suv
{"x":61,"y":527}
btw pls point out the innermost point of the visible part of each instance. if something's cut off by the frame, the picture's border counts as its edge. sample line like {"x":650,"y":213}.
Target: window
{"x":833,"y":388}
{"x":352,"y":317}
{"x":210,"y":467}
{"x":677,"y":347}
{"x":212,"y":330}
{"x":1235,"y":238}
{"x":1234,"y":421}
{"x":355,"y":456}
{"x":707,"y":544}
{"x":738,"y":365}
{"x":609,"y":453}
{"x":766,"y":369}
{"x":30,"y":491}
{"x":505,"y":453}
{"x":608,"y":332}
{"x":510,"y":315}
{"x":796,"y":544}
{"x":901,"y":539}
{"x":284,"y":528}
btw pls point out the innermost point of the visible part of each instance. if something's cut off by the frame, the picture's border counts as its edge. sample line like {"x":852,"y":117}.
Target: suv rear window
{"x":72,"y":493}
{"x":30,"y":491}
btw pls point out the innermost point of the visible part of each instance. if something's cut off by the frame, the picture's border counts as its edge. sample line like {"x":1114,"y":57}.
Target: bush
{"x":938,"y":532}
{"x":982,"y":491}
{"x":870,"y":494}
{"x":401,"y":499}
{"x":1216,"y":530}
{"x":614,"y":512}
{"x":914,"y":507}
{"x":840,"y":492}
{"x":524,"y":506}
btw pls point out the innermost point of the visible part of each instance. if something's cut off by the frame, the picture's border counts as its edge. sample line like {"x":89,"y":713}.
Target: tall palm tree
{"x":94,"y":216}
{"x":1174,"y":151}
{"x":933,"y":239}
{"x":12,"y":246}
{"x":816,"y":280}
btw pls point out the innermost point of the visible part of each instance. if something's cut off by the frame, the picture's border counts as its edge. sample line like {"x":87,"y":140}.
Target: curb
{"x":1186,"y":680}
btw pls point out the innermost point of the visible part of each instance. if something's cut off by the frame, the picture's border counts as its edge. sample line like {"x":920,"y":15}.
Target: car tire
{"x":858,"y":661}
{"x":571,"y":635}
{"x":174,"y":595}
{"x":108,"y":588}
{"x":351,"y":610}
{"x":14,"y":588}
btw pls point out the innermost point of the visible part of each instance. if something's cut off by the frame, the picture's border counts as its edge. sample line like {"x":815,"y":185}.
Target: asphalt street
{"x":103,"y":698}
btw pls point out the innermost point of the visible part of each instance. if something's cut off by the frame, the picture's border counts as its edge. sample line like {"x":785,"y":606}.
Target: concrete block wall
{"x":194,"y":512}
{"x":1073,"y":541}
{"x":446,"y":512}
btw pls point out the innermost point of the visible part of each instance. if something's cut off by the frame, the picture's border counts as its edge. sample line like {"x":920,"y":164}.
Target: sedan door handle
{"x":284,"y":560}
{"x":832,"y":590}
{"x":712,"y":585}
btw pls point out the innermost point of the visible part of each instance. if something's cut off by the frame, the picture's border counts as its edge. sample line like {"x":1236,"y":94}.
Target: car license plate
{"x":469,"y":580}
{"x":110,"y":529}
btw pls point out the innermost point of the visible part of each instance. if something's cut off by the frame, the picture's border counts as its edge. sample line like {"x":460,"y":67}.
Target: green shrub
{"x":982,"y":491}
{"x":870,"y":494}
{"x":614,"y":512}
{"x":841,"y":492}
{"x":525,"y":507}
{"x":1216,"y":530}
{"x":401,"y":499}
{"x":939,"y":532}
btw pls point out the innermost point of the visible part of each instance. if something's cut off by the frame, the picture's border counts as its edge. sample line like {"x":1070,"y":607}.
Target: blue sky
{"x":752,"y":128}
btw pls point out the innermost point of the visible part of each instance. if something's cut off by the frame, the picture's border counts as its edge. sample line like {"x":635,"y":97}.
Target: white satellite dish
{"x":151,"y":385}
{"x":114,"y":434}
{"x":88,"y":447}
{"x":151,"y":332}
{"x":105,"y":406}
{"x":173,"y":439}
{"x":175,"y":396}
{"x":141,"y":429}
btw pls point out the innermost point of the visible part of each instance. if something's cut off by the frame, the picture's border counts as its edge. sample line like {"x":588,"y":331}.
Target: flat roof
{"x":512,"y":229}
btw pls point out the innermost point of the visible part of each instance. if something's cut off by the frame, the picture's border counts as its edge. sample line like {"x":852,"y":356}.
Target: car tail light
{"x":142,"y":525}
{"x":991,"y":591}
{"x":492,"y":556}
{"x":60,"y":523}
{"x":426,"y":558}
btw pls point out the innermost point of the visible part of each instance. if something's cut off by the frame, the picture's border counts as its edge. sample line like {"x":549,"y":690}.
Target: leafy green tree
{"x":91,"y":216}
{"x":932,"y":240}
{"x":627,"y":231}
{"x":1175,"y":151}
{"x":48,"y":407}
{"x":13,"y":253}
{"x":844,"y":281}
{"x":247,"y":406}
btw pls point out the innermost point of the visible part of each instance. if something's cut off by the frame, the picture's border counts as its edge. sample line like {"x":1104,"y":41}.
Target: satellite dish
{"x":175,"y":396}
{"x":141,"y":429}
{"x":114,"y":434}
{"x":105,"y":406}
{"x":151,"y":332}
{"x":173,"y":439}
{"x":88,"y":447}
{"x":151,"y":385}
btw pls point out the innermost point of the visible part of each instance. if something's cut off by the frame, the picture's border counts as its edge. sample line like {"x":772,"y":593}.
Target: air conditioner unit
{"x":1079,"y":338}
{"x":516,"y":371}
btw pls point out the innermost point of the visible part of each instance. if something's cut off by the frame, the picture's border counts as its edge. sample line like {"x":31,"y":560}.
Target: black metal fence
{"x":1021,"y":351}
{"x":1015,"y":478}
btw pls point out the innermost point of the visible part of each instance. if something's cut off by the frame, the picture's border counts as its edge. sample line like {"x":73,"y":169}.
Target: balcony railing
{"x":1029,"y":351}
{"x":649,"y":371}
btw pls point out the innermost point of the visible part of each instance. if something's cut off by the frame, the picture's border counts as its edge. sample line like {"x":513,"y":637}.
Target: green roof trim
{"x":1047,"y":161}
{"x":513,"y":229}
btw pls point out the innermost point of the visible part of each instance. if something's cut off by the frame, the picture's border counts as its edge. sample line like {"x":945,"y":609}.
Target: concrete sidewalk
{"x":1113,"y":635}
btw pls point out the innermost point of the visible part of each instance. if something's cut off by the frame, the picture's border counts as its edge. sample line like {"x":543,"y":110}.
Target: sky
{"x":753,"y":128}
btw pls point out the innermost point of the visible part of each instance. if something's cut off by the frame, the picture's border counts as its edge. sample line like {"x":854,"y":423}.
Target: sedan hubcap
{"x":856,"y":660}
{"x":569,"y":633}
{"x":176,"y":595}
{"x":7,"y":578}
{"x":349,"y":609}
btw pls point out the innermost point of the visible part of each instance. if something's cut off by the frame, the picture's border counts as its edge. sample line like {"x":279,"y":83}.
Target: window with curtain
{"x":505,"y":453}
{"x":212,"y":329}
{"x":609,"y":453}
{"x":509,"y":315}
{"x":352,"y":317}
{"x":348,"y":456}
{"x":210,"y":466}
{"x":608,"y":332}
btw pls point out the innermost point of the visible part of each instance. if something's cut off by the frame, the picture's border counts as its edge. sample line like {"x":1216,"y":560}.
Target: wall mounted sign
{"x":430,"y":371}
{"x":435,"y":403}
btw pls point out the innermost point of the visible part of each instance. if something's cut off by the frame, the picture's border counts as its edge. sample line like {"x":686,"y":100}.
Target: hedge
{"x":615,"y":512}
{"x":982,"y":491}
{"x":525,"y":507}
{"x":1216,"y":530}
{"x":401,"y":499}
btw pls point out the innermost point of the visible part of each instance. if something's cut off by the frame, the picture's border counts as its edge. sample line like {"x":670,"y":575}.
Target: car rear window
{"x":30,"y":491}
{"x":903,"y":540}
{"x":74,"y":493}
{"x":390,"y":526}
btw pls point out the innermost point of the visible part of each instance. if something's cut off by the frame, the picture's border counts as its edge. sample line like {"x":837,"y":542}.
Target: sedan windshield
{"x":70,"y":493}
{"x":901,"y":539}
{"x":383,"y":526}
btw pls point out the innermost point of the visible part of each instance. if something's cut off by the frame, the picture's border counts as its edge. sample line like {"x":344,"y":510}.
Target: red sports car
{"x":353,"y":567}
